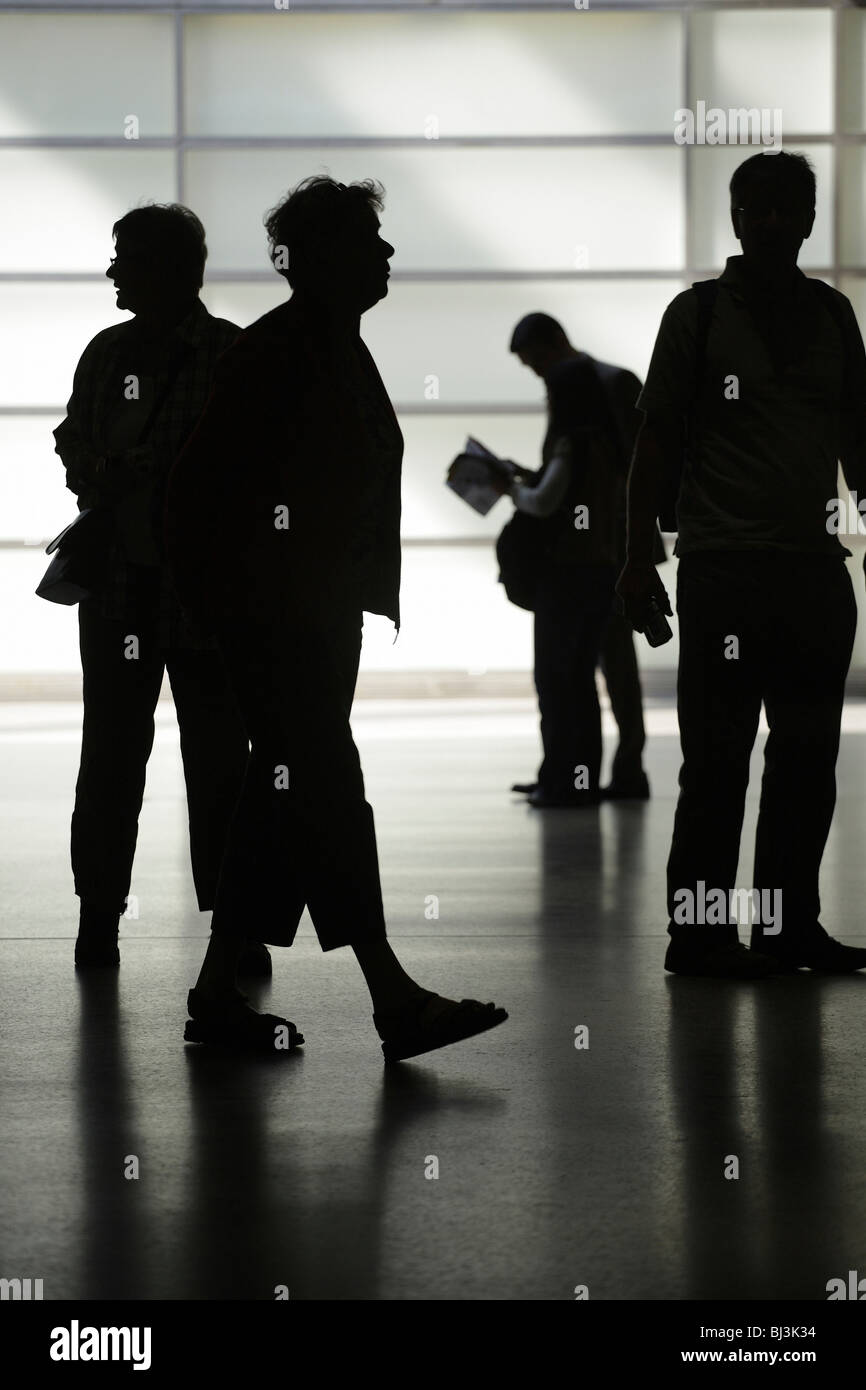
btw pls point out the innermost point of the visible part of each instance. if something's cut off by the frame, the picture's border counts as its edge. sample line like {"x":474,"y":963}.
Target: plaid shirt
{"x":181,"y":383}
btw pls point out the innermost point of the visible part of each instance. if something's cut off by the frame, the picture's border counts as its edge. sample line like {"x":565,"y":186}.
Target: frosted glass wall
{"x":528,"y":161}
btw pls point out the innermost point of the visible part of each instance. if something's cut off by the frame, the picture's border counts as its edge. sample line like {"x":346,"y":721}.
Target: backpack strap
{"x":707,"y":293}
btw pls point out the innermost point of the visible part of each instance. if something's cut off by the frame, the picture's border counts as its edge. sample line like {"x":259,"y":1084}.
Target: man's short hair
{"x":793,"y":172}
{"x":537,"y":330}
{"x":318,"y":211}
{"x":174,"y":235}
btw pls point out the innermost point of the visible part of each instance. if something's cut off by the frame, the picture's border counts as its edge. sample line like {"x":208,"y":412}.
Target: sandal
{"x":407,"y":1032}
{"x":235,"y":1024}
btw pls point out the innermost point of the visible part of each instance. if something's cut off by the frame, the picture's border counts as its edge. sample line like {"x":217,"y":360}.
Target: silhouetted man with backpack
{"x":592,"y":425}
{"x":756,"y":389}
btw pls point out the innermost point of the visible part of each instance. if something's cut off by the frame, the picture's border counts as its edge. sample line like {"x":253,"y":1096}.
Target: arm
{"x":657,"y":456}
{"x":544,"y":499}
{"x":82,"y":463}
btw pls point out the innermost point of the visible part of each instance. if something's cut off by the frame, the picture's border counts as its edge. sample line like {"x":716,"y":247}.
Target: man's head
{"x":773,"y":207}
{"x":324,"y":238}
{"x":540,"y":342}
{"x":159,"y":259}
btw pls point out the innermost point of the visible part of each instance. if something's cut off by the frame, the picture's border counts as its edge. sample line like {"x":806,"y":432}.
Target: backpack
{"x":707,"y":293}
{"x":621,"y":389}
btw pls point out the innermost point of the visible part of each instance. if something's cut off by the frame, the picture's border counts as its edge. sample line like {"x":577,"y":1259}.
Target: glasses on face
{"x":761,"y":205}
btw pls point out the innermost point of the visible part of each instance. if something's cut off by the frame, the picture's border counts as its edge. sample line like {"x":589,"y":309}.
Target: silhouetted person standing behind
{"x":137,"y":393}
{"x":283,"y":524}
{"x":566,"y":637}
{"x":773,"y":389}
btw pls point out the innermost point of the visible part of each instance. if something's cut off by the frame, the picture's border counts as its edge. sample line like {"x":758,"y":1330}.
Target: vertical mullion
{"x":688,"y":181}
{"x":838,"y":100}
{"x":179,"y":110}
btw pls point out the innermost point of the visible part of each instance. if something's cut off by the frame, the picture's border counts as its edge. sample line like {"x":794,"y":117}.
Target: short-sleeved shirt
{"x":783,"y":398}
{"x":580,"y":425}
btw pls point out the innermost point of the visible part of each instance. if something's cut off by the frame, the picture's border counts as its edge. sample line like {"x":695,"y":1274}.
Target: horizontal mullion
{"x":499,"y":6}
{"x":411,"y":408}
{"x":290,"y":142}
{"x":413,"y":542}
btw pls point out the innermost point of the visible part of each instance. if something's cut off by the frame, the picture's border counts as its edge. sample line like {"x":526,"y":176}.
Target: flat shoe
{"x":410,"y":1031}
{"x":236,"y":1025}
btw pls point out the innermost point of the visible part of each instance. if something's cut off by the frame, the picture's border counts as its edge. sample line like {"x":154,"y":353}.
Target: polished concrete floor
{"x":558,"y":1166}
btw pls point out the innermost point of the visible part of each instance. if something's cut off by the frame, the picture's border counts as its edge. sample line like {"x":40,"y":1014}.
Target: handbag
{"x":80,"y":562}
{"x":81,"y":552}
{"x":521,"y":548}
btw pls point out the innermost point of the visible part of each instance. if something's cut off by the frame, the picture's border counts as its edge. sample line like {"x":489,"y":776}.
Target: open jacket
{"x":297,"y":420}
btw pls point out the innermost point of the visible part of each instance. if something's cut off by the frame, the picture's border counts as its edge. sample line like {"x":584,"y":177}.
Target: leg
{"x":719,"y":703}
{"x":303,"y":789}
{"x":572,"y":609}
{"x":215,"y":749}
{"x":809,"y":644}
{"x":120,"y":690}
{"x":619,"y":667}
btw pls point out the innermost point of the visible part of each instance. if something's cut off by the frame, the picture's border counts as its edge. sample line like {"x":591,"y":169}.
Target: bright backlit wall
{"x":529,"y":163}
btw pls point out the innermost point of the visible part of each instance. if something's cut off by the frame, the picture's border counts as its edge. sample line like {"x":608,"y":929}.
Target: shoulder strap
{"x":707,"y":292}
{"x":609,"y":378}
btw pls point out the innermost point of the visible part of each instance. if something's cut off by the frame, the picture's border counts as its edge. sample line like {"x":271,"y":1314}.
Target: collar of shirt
{"x":745,"y":284}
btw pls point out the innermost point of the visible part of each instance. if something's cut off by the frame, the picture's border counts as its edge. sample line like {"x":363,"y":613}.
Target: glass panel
{"x":43,"y":331}
{"x":714,"y":238}
{"x":455,"y":616}
{"x":466,"y":209}
{"x":459,"y":333}
{"x":34,"y":635}
{"x":852,"y":90}
{"x":410,"y":74}
{"x":430,"y":508}
{"x":42,"y":187}
{"x":34,"y":498}
{"x":767,"y":58}
{"x":85,"y":74}
{"x":852,"y":188}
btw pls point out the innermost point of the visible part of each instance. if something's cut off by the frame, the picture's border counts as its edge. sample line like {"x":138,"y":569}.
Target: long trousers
{"x":120,"y":696}
{"x":303,"y":833}
{"x":618,"y":662}
{"x":759,"y":627}
{"x":572,"y":609}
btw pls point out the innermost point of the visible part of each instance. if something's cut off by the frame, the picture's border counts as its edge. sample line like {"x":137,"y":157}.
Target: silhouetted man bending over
{"x":765,"y":604}
{"x":592,"y":423}
{"x":283,"y":521}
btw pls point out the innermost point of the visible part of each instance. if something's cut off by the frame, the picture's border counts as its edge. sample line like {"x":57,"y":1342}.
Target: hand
{"x":637,"y":586}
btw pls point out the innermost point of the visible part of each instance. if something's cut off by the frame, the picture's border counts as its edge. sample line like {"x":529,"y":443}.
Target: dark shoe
{"x":255,"y":961}
{"x":234,"y":1024}
{"x":525,"y":788}
{"x":431,"y":1022}
{"x":638,"y":790}
{"x":733,"y":962}
{"x":823,"y":954}
{"x":96,"y":945}
{"x":577,"y":799}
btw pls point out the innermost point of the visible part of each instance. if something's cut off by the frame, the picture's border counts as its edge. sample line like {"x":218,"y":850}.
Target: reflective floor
{"x":513,"y":1166}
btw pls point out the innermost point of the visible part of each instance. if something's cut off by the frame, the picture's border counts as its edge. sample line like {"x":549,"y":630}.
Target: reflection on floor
{"x":558,"y":1166}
